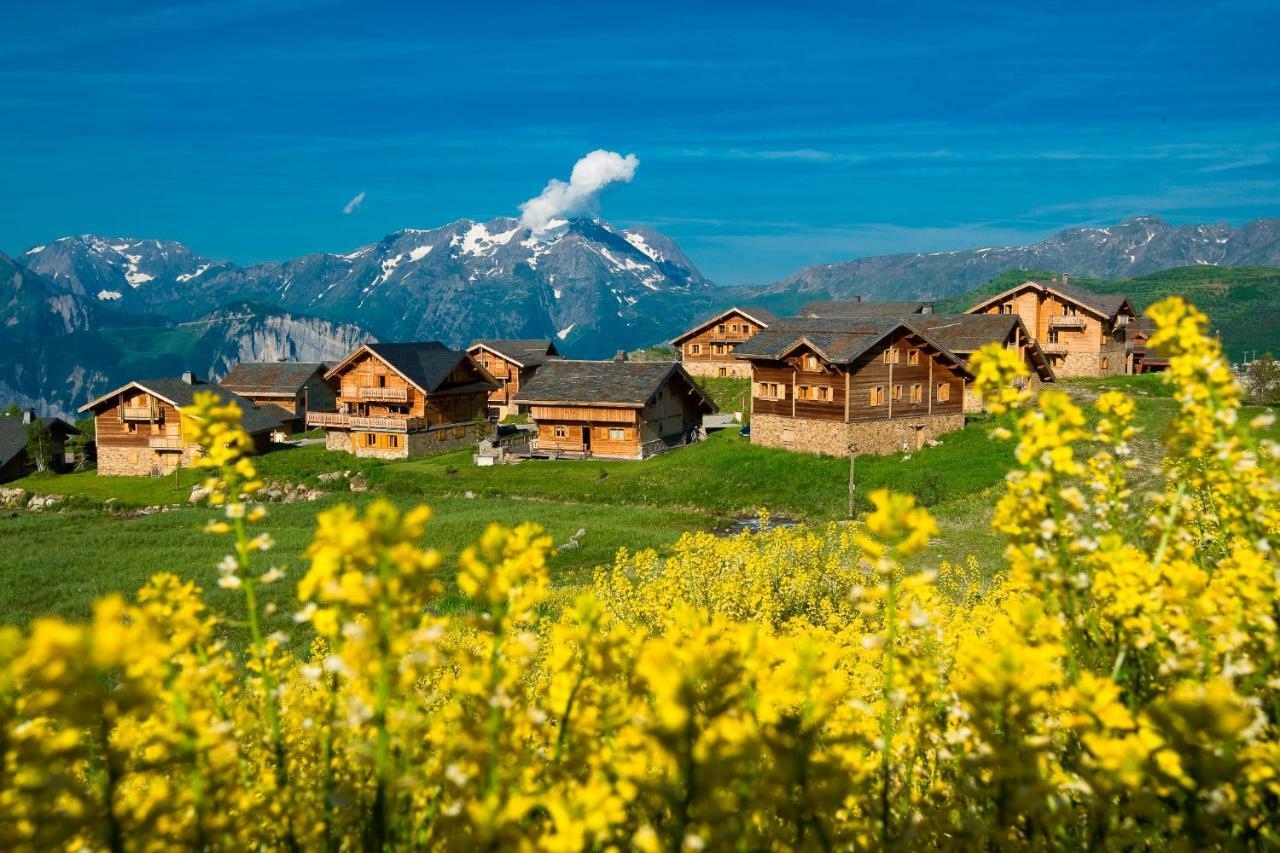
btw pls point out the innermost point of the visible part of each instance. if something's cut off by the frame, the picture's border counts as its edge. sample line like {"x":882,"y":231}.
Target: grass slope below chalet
{"x":1242,"y":303}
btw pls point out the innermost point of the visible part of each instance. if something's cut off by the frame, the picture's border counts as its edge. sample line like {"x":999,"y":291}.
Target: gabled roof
{"x":839,"y":340}
{"x":622,"y":384}
{"x":1107,"y":305}
{"x":180,"y":394}
{"x":519,"y":351}
{"x":964,"y":334}
{"x":13,"y":434}
{"x":271,"y":377}
{"x":424,"y":364}
{"x":762,"y":317}
{"x":858,"y":308}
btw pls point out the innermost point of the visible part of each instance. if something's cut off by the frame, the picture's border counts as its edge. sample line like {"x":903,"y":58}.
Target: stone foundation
{"x":1076,"y":364}
{"x":734,"y":368}
{"x":422,"y":442}
{"x":832,"y":438}
{"x":142,"y":461}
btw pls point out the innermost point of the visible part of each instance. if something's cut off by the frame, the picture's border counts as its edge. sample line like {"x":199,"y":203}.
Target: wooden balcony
{"x":336,"y":420}
{"x":140,"y":413}
{"x":1057,"y":348}
{"x":165,"y":442}
{"x":1064,"y":321}
{"x":382,"y":395}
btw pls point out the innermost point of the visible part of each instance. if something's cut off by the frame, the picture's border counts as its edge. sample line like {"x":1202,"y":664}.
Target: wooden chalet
{"x":139,"y":425}
{"x":613,"y":409}
{"x":707,"y":348}
{"x":14,"y":435}
{"x":295,"y":387}
{"x":1083,"y":332}
{"x":965,"y":334}
{"x":1145,"y":358}
{"x":512,"y":363}
{"x":878,"y":384}
{"x":406,"y":399}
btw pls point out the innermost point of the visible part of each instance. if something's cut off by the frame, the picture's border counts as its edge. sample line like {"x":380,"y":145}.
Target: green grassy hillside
{"x":1243,"y":304}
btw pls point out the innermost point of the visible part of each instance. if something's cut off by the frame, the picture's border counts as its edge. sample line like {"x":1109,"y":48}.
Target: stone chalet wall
{"x":1090,"y":363}
{"x":418,"y":443}
{"x":832,"y":438}
{"x":142,"y":461}
{"x":736,"y":368}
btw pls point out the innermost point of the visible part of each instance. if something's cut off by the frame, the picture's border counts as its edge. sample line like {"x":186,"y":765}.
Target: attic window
{"x":891,"y":355}
{"x":1006,"y":308}
{"x":913,"y":356}
{"x":746,"y":328}
{"x":721,"y":328}
{"x":810,"y":362}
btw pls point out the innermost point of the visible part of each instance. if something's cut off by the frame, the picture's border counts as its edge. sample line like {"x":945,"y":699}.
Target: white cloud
{"x":353,"y":205}
{"x":590,"y":175}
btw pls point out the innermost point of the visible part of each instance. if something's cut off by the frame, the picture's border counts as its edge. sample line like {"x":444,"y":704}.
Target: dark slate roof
{"x":526,"y":352}
{"x":857,"y":308}
{"x":13,"y":434}
{"x":842,"y":340}
{"x":270,"y":377}
{"x":253,"y":418}
{"x":426,"y":364}
{"x":602,"y":383}
{"x":964,"y":333}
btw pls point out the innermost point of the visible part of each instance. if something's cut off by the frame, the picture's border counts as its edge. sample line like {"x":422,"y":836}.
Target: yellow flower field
{"x":1118,"y":687}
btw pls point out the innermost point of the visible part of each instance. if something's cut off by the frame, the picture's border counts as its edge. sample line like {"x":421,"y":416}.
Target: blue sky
{"x":770,"y":136}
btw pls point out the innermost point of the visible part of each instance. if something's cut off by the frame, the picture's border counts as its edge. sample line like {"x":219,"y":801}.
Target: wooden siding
{"x":510,"y":376}
{"x":113,"y":431}
{"x":700,"y":346}
{"x":851,"y":388}
{"x":1072,"y":336}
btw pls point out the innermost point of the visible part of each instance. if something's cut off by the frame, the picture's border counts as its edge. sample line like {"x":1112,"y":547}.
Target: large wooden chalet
{"x":295,"y":387}
{"x":965,"y":334}
{"x":512,"y":363}
{"x":877,"y":384}
{"x":139,"y":425}
{"x":613,"y":409}
{"x":1082,"y":332}
{"x":14,"y":437}
{"x":707,"y":349}
{"x":406,"y":399}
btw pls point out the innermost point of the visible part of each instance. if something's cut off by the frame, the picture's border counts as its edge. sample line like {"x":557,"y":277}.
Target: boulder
{"x":358,"y":483}
{"x":15,"y":497}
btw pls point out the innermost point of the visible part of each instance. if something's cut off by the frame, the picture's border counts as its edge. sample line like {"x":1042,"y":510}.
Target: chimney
{"x":189,"y":377}
{"x":1054,"y":278}
{"x":28,"y":416}
{"x":926,"y":308}
{"x":1066,"y":278}
{"x":858,"y":298}
{"x":620,"y":356}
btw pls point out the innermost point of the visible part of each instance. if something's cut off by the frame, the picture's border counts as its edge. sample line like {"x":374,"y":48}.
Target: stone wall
{"x":142,"y":461}
{"x":417,"y":443}
{"x":1090,"y":363}
{"x":832,"y":438}
{"x":734,"y":367}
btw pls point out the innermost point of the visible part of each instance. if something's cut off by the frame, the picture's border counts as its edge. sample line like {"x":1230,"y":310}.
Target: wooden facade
{"x":707,"y":349}
{"x":1082,"y":333}
{"x":395,"y":402}
{"x":899,"y":392}
{"x":511,"y":364}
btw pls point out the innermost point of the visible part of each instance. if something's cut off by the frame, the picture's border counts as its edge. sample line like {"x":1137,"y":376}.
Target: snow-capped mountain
{"x":1137,"y":246}
{"x":592,"y":286}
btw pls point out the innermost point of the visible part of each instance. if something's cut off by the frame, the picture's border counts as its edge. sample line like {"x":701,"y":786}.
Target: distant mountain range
{"x":90,"y":312}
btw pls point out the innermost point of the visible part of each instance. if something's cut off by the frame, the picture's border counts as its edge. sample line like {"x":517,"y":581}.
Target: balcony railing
{"x":338,"y":420}
{"x":1054,"y":348}
{"x":1065,"y":321}
{"x":382,"y":395}
{"x":165,"y":442}
{"x":140,"y":413}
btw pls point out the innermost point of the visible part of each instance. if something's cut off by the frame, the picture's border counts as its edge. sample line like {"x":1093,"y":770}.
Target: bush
{"x":1117,"y":687}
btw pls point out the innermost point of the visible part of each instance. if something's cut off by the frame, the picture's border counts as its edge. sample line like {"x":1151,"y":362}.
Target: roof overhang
{"x":471,"y":350}
{"x":125,"y":387}
{"x":1048,"y":288}
{"x":712,"y":321}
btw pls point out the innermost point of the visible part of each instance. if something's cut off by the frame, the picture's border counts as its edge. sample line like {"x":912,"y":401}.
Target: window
{"x":1068,"y":310}
{"x":771,"y":391}
{"x":617,"y":434}
{"x":802,"y":393}
{"x":718,"y":349}
{"x":823,"y":393}
{"x":393,"y":441}
{"x":370,"y":440}
{"x":811,"y":362}
{"x":1106,"y":362}
{"x":382,"y":381}
{"x":877,"y":395}
{"x":913,"y":356}
{"x":721,"y":328}
{"x":917,"y":393}
{"x":944,"y":392}
{"x":1053,"y":336}
{"x":1006,"y":308}
{"x":891,"y":356}
{"x":746,"y":328}
{"x":722,"y":372}
{"x":695,"y":349}
{"x":559,"y":432}
{"x":897,"y":393}
{"x":734,"y":328}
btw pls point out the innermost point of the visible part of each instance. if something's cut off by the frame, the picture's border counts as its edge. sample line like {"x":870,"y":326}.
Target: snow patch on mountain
{"x":199,"y":271}
{"x":108,"y":294}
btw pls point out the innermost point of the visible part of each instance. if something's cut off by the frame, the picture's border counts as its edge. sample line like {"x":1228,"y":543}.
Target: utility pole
{"x":853,"y":453}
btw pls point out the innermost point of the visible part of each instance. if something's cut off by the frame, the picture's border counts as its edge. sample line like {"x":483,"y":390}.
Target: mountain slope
{"x":1135,"y":247}
{"x":57,"y":375}
{"x":31,"y":306}
{"x":1243,"y":304}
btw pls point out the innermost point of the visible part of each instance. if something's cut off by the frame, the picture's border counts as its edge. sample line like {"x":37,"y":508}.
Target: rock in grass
{"x":358,"y":483}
